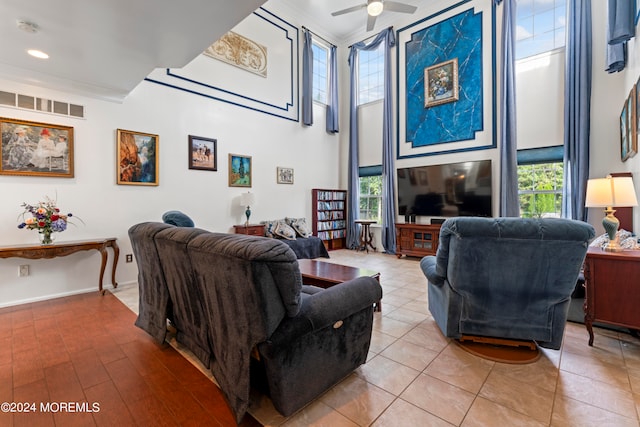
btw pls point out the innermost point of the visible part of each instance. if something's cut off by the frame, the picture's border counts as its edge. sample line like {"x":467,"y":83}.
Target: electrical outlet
{"x":128,"y":258}
{"x":24,"y":270}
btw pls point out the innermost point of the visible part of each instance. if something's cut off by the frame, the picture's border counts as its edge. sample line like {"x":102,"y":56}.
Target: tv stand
{"x":417,"y":239}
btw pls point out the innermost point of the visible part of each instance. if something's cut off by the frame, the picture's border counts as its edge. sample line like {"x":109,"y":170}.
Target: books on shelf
{"x":331,"y":225}
{"x":329,"y":218}
{"x":332,"y":234}
{"x":332,"y":195}
{"x":329,"y":206}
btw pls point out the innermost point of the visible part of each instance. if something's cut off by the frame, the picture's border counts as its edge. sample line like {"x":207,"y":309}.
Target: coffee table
{"x":326,"y":274}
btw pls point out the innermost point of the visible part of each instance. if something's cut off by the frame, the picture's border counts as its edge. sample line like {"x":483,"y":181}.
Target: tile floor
{"x":416,"y":377}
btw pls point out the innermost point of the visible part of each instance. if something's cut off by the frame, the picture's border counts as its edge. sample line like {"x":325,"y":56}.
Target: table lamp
{"x":247,"y":199}
{"x":607,"y":193}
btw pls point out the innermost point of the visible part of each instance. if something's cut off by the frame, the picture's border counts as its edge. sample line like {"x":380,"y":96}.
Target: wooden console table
{"x":612,"y":291}
{"x":68,"y":248}
{"x":417,"y":239}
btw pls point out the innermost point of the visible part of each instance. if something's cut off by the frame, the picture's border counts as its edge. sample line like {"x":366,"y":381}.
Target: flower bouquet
{"x":46,"y":218}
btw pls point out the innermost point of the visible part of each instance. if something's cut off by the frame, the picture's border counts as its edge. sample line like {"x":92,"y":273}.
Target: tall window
{"x":371,"y":197}
{"x":540,"y":181}
{"x":320,"y":72}
{"x":371,"y":75}
{"x":540,"y":26}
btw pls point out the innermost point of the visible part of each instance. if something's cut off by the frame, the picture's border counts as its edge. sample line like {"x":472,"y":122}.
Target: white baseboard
{"x":63,"y":294}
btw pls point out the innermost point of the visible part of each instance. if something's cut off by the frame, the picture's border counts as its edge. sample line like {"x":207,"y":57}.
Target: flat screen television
{"x":454,"y":189}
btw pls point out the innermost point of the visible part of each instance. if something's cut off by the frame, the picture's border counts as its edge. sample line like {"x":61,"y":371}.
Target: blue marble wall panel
{"x":460,"y":37}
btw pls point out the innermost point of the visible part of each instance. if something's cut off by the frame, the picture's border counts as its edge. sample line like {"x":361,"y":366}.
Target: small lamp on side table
{"x":247,"y":199}
{"x":607,"y":193}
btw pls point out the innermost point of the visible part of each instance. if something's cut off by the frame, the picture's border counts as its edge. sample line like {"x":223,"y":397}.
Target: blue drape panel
{"x":577,"y":109}
{"x":388,"y":235}
{"x":332,"y":96}
{"x":388,"y":187}
{"x":620,"y":29}
{"x":307,"y":79}
{"x":353,"y":210}
{"x":509,"y":202}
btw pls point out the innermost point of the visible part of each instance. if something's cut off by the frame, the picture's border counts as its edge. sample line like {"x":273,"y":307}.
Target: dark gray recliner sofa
{"x":506,"y":277}
{"x":240,"y":295}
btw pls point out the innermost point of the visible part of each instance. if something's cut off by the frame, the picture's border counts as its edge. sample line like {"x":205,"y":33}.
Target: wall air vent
{"x":27,"y":102}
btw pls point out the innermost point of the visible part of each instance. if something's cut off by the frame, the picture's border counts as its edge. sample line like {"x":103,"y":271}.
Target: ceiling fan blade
{"x":349,"y":10}
{"x":371,"y":22}
{"x":399,"y":7}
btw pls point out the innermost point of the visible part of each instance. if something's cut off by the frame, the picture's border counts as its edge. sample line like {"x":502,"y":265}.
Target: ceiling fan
{"x":375,"y":8}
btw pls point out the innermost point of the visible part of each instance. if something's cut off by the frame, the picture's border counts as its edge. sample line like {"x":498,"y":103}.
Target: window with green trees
{"x":540,"y":189}
{"x":370,"y":197}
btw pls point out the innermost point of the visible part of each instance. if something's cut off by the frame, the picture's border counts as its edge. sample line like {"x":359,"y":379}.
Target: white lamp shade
{"x":611,"y":191}
{"x":374,"y":7}
{"x":247,"y":199}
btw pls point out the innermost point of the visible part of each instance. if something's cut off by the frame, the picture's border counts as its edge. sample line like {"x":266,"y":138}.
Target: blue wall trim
{"x":294,"y":78}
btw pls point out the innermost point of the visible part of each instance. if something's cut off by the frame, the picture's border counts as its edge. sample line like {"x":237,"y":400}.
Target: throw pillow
{"x":177,"y":218}
{"x":285,"y":231}
{"x":268,"y":228}
{"x":300,"y":226}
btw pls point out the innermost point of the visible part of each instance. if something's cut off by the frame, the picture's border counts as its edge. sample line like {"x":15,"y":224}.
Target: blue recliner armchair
{"x":507,"y":278}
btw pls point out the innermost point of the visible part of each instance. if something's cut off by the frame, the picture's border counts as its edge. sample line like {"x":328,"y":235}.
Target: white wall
{"x":109,"y":210}
{"x":540,"y":100}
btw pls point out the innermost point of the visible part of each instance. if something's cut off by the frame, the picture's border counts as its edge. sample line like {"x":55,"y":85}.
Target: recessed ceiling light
{"x":37,"y":53}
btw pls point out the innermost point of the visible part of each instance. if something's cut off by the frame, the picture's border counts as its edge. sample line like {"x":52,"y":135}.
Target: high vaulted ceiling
{"x":105,"y":48}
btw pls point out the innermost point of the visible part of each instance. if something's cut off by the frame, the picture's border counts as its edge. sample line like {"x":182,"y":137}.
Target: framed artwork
{"x":285,"y":175}
{"x":137,"y":158}
{"x":441,"y":83}
{"x":240,"y":169}
{"x":203,"y":153}
{"x":36,"y":149}
{"x":628,"y":127}
{"x":637,"y":127}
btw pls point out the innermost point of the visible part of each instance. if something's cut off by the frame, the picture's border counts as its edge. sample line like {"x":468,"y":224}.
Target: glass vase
{"x":46,"y":237}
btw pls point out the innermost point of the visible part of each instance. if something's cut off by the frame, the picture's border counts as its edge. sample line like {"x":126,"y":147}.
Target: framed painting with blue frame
{"x":465,"y":124}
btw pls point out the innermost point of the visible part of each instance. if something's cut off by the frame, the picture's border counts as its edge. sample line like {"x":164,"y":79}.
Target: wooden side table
{"x":612,"y":291}
{"x":366,"y":237}
{"x":251,"y":229}
{"x":68,"y":248}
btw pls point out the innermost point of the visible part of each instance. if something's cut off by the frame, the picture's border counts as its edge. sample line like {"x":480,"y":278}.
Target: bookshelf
{"x":330,"y":217}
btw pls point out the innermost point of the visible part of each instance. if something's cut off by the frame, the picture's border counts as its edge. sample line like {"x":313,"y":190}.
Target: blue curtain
{"x":620,"y":29}
{"x":388,"y":209}
{"x":388,"y":235}
{"x":353,"y":187}
{"x":509,"y":202}
{"x":307,"y":79}
{"x":577,"y":109}
{"x":332,"y":96}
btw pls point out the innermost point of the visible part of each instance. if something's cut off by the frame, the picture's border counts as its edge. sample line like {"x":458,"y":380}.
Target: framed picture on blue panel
{"x":441,"y":83}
